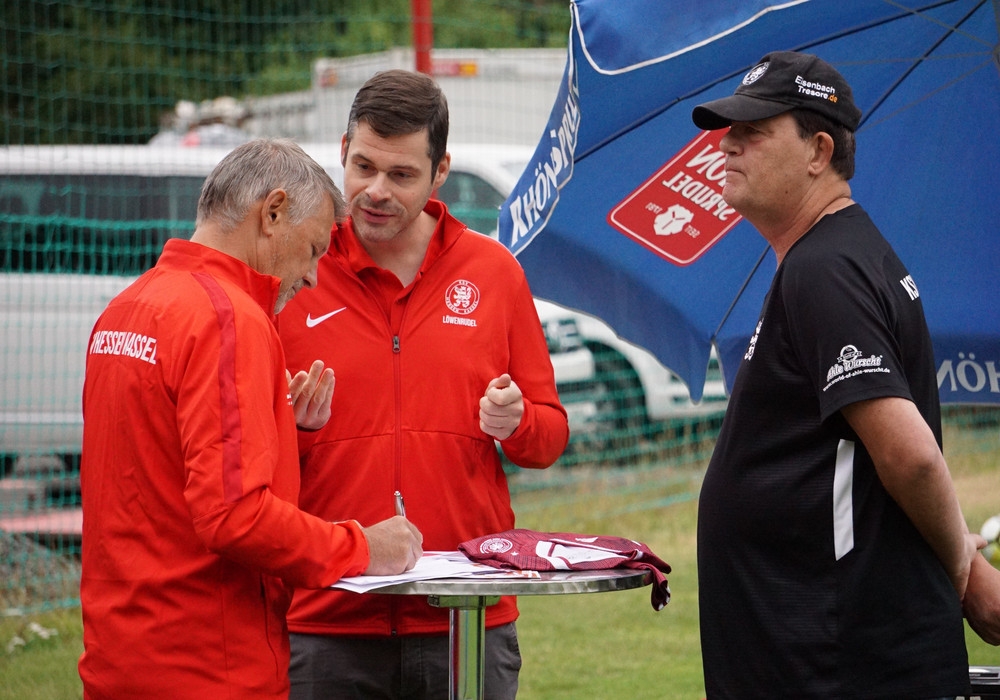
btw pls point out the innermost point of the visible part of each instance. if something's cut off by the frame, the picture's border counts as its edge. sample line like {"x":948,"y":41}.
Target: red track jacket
{"x":411,"y":365}
{"x":190,"y":478}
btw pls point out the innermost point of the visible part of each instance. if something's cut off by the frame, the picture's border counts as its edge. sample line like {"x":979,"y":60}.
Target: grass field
{"x":614,"y":645}
{"x":594,"y":646}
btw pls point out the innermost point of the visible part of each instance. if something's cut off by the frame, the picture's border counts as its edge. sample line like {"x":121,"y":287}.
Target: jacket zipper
{"x":397,"y":398}
{"x":398,"y":460}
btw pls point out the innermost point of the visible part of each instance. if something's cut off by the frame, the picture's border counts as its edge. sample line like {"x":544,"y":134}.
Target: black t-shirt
{"x":812,"y":581}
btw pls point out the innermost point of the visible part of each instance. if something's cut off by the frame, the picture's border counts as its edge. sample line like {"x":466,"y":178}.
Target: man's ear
{"x":443,"y":168}
{"x":822,"y":154}
{"x":273,"y":211}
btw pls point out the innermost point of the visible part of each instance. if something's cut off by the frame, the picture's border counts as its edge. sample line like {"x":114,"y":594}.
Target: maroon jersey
{"x":528,"y":550}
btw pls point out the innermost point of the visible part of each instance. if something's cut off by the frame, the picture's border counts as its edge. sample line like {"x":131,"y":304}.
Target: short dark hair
{"x":401,"y":102}
{"x":810,"y":123}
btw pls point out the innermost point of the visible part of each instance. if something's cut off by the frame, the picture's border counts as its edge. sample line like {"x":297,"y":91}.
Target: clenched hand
{"x":501,"y":408}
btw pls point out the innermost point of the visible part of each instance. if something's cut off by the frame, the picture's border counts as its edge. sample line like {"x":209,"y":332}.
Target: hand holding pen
{"x":394,"y":545}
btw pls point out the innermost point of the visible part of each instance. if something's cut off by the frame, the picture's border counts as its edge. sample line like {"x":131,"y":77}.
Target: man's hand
{"x":501,"y":408}
{"x":982,"y":600}
{"x":312,"y":394}
{"x":394,"y":546}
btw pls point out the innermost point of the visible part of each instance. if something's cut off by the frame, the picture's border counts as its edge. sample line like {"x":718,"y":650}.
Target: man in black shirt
{"x":832,"y":553}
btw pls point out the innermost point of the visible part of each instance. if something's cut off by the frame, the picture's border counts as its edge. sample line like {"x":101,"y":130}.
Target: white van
{"x":77,"y":225}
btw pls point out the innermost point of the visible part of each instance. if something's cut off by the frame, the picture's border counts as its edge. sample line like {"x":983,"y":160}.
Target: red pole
{"x":423,"y":34}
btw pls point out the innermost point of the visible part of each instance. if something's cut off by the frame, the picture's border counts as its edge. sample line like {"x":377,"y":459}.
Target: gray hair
{"x":250,"y":171}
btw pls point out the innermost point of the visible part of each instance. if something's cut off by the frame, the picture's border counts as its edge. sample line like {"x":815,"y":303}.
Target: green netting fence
{"x":111,"y":114}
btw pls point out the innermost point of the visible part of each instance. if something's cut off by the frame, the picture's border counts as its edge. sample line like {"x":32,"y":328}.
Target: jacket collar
{"x":346,"y":246}
{"x":180,"y":254}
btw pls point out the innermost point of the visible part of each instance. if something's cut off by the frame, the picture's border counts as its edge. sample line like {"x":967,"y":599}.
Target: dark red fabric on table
{"x":528,"y":550}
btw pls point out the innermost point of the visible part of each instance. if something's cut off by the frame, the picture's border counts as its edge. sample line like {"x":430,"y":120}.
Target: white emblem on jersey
{"x":753,"y":342}
{"x":852,"y":363}
{"x":496,"y":545}
{"x":313,"y":322}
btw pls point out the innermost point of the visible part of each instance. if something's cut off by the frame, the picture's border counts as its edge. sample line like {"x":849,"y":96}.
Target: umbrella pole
{"x":743,"y":287}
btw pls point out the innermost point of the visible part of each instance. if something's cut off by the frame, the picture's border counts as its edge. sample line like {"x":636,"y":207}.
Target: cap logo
{"x":755,"y":73}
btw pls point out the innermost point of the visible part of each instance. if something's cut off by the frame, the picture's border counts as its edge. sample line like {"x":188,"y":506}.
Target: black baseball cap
{"x":781,"y":81}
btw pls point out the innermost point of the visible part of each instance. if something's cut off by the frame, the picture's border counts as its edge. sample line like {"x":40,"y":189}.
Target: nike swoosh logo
{"x":313,"y":322}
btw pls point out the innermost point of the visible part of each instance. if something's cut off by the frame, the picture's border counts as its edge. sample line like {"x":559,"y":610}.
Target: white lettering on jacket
{"x":124,"y":343}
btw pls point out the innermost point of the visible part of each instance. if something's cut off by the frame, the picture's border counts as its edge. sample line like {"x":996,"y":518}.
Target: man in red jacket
{"x":192,"y":537}
{"x":438,"y":350}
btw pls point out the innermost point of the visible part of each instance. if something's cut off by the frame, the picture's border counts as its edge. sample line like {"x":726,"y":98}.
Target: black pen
{"x":400,"y":508}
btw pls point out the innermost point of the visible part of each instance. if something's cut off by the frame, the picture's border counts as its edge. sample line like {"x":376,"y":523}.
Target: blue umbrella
{"x":619,"y":214}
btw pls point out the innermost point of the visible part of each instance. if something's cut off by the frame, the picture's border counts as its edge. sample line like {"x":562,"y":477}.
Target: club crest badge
{"x":462,"y":297}
{"x":496,"y":545}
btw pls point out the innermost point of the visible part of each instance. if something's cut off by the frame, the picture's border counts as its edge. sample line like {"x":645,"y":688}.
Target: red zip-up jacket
{"x":190,"y":480}
{"x":411,"y":365}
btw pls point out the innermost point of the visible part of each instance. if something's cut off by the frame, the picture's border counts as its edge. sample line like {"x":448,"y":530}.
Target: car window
{"x":472,"y":200}
{"x":95,"y":224}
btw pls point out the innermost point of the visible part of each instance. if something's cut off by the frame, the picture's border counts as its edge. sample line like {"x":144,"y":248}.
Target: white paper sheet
{"x":432,"y":565}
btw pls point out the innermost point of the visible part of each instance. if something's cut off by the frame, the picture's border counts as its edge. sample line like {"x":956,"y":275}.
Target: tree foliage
{"x":105,"y":71}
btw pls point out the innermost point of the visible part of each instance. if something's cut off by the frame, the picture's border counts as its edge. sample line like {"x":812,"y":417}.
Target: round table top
{"x":548,"y":583}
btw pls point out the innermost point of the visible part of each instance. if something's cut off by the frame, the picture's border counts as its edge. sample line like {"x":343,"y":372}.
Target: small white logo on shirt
{"x":313,"y":322}
{"x":851,"y":363}
{"x":496,"y":545}
{"x":753,"y":342}
{"x":910,"y":286}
